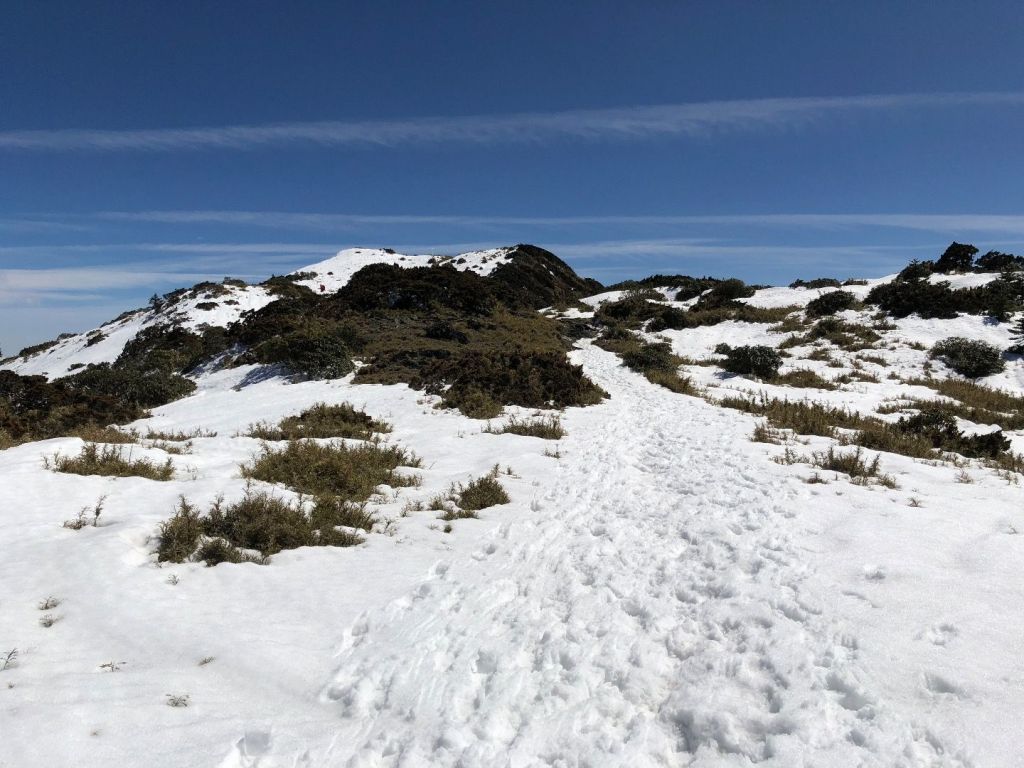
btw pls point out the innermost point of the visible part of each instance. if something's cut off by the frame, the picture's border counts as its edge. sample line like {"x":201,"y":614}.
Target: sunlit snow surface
{"x":663,"y":594}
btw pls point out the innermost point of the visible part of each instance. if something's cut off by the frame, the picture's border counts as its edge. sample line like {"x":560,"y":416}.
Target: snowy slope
{"x":225,"y":305}
{"x":662,"y":594}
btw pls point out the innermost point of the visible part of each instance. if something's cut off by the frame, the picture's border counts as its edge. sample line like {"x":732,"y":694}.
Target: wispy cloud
{"x":928,"y":222}
{"x":629,"y":123}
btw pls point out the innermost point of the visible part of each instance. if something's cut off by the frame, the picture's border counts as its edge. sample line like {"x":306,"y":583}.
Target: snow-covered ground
{"x":662,"y":594}
{"x":658,"y":592}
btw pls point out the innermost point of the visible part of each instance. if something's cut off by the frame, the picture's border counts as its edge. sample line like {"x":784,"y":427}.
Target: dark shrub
{"x":725,"y":294}
{"x":940,"y":427}
{"x":761,"y":361}
{"x":686,"y":287}
{"x":722,"y":348}
{"x":318,"y":351}
{"x":969,"y":357}
{"x":830,"y":303}
{"x":532,"y":278}
{"x":820,"y":282}
{"x":134,"y":386}
{"x":532,"y":380}
{"x":481,"y":493}
{"x":630,"y":309}
{"x":258,"y":522}
{"x":445,"y":331}
{"x":651,"y":357}
{"x":994,"y":261}
{"x":388,"y":286}
{"x":958,"y":257}
{"x":916,"y":270}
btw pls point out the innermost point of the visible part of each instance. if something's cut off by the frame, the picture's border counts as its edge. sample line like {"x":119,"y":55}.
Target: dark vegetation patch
{"x":322,"y":421}
{"x":919,"y":436}
{"x":349,"y":472}
{"x":684,"y":286}
{"x":852,"y":337}
{"x":911,"y":292}
{"x":256,"y":527}
{"x":754,"y":360}
{"x":35,"y":349}
{"x":477,"y":342}
{"x":830,"y":303}
{"x":466,"y":499}
{"x":820,"y":282}
{"x":969,"y":357}
{"x":110,"y":460}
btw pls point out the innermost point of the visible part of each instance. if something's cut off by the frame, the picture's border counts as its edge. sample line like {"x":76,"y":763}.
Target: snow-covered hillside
{"x":660,"y":590}
{"x":222,"y":304}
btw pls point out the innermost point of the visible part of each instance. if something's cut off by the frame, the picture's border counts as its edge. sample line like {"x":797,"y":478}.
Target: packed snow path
{"x":653,"y":611}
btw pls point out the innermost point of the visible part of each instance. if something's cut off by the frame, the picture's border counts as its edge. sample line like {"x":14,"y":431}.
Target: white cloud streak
{"x":928,"y":222}
{"x":621,"y":124}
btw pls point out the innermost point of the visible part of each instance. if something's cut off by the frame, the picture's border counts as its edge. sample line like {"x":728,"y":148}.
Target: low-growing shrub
{"x":725,"y":294}
{"x":830,"y":303}
{"x":111,"y":461}
{"x":332,"y":469}
{"x":93,"y":434}
{"x":938,"y":425}
{"x":546,"y":427}
{"x":969,"y":357}
{"x":480,"y":494}
{"x":255,"y":527}
{"x":756,"y":360}
{"x":479,"y":384}
{"x":322,"y":421}
{"x":803,"y":377}
{"x":852,"y":464}
{"x":820,"y":282}
{"x":801,"y":416}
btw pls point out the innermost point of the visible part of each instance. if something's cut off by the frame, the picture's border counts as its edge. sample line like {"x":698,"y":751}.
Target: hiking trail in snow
{"x":652,"y":610}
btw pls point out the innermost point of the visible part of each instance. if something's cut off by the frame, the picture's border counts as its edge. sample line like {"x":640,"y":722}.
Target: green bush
{"x":481,"y":493}
{"x":657,"y":356}
{"x":958,"y":257}
{"x":725,"y":294}
{"x":259,"y":522}
{"x":820,"y":282}
{"x":351,"y":472}
{"x":969,"y":357}
{"x":479,"y":384}
{"x":110,"y":460}
{"x":546,"y":427}
{"x":757,"y":360}
{"x":830,"y":303}
{"x":322,"y":421}
{"x":316,"y":351}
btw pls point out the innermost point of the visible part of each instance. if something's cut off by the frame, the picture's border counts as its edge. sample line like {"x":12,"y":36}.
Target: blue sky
{"x":148,"y":145}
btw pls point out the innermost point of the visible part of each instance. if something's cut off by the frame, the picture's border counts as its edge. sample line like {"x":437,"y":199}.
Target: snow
{"x":335,"y":272}
{"x":80,"y":350}
{"x":659,"y":592}
{"x":662,"y":594}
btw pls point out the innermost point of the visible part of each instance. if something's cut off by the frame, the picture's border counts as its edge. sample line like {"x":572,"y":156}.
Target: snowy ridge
{"x":334,"y":273}
{"x":225,"y":305}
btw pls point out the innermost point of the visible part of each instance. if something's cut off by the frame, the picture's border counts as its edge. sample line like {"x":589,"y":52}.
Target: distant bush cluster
{"x":912,"y":292}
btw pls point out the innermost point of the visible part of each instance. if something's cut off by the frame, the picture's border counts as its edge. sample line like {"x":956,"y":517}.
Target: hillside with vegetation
{"x":400,"y":509}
